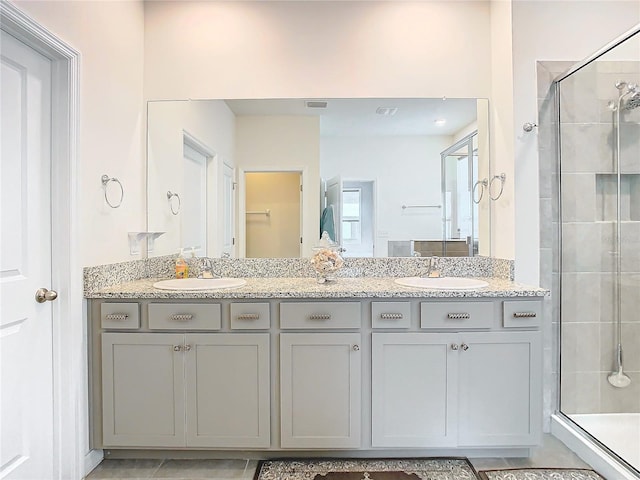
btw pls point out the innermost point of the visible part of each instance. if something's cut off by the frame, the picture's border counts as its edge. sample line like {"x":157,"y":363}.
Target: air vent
{"x":386,"y":111}
{"x":316,"y":104}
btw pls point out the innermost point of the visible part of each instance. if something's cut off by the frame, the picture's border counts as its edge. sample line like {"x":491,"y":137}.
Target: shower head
{"x":633,"y":101}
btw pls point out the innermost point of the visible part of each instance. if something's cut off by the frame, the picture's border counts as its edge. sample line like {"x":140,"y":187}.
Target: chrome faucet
{"x":207,"y":269}
{"x":432,"y":270}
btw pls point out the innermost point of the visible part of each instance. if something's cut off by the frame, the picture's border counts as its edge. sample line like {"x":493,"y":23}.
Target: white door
{"x":194,"y":200}
{"x":26,"y":366}
{"x":333,"y":195}
{"x":228,"y":210}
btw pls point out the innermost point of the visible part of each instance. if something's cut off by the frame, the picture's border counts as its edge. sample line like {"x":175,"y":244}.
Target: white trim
{"x":588,"y":451}
{"x":69,"y":333}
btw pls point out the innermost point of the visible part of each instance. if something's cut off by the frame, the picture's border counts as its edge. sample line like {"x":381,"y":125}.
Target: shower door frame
{"x":563,"y":427}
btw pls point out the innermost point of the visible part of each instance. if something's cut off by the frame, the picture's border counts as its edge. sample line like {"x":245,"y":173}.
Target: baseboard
{"x":594,"y":455}
{"x":92,"y":460}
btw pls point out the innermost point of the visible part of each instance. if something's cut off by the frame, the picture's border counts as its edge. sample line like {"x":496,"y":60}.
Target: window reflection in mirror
{"x":377,"y":162}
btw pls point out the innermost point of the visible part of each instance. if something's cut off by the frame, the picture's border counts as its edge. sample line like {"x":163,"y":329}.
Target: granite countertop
{"x":303,"y":287}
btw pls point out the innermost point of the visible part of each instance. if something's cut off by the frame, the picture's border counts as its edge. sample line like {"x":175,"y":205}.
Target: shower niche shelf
{"x":606,"y":193}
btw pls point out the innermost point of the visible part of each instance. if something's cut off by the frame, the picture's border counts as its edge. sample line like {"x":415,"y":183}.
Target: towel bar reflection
{"x":421,"y":206}
{"x":170,"y":196}
{"x":106,"y":179}
{"x":266,"y":212}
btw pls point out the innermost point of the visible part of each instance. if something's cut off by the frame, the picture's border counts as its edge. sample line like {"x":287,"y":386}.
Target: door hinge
{"x":233,"y":241}
{"x":300,"y":239}
{"x":233,"y":185}
{"x":300,"y":187}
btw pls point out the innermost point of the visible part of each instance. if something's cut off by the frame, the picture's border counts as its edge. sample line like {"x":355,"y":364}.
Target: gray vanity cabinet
{"x":463,"y":388}
{"x":320,"y":390}
{"x":185,"y":390}
{"x":143,"y":390}
{"x":227,"y":394}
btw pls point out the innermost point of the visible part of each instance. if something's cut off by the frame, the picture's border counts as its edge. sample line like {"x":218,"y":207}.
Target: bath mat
{"x":541,"y":474}
{"x":367,"y":469}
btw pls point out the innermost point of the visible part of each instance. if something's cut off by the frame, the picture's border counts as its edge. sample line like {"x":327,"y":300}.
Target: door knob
{"x":44,"y":295}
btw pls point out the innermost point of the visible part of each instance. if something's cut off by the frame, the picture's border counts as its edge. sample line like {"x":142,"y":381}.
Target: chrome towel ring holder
{"x":502,"y":177}
{"x":170,"y":196}
{"x":483,"y":184}
{"x":106,"y":179}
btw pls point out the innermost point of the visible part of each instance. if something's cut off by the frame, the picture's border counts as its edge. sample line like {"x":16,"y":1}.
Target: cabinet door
{"x":228,"y":390}
{"x":413,"y":389}
{"x":320,"y":390}
{"x":142,"y":390}
{"x":499,"y":385}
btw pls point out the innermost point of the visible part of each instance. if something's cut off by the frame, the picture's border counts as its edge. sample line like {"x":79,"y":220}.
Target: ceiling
{"x":358,"y":117}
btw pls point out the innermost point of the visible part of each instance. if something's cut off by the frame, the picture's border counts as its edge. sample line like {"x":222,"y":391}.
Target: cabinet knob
{"x":356,"y":348}
{"x":464,"y":347}
{"x":177,"y":348}
{"x":454,"y":346}
{"x":187,"y":348}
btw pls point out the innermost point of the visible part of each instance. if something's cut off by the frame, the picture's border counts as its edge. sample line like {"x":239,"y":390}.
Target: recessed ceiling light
{"x":440,"y":122}
{"x":387,"y":111}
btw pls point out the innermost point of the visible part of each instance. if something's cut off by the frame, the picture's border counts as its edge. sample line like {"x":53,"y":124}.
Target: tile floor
{"x":552,"y":453}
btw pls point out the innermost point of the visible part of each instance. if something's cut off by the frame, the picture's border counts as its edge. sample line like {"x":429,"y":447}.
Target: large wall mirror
{"x":264,"y":178}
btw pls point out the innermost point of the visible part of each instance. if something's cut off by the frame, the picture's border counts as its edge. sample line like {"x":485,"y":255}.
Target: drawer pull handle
{"x":117,"y":316}
{"x":320,"y":316}
{"x":464,"y":347}
{"x":181,"y":317}
{"x":249,"y":316}
{"x":391,"y":316}
{"x":458,"y":316}
{"x":524,"y":314}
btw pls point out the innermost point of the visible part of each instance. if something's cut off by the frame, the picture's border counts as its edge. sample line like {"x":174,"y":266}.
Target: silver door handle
{"x":44,"y":295}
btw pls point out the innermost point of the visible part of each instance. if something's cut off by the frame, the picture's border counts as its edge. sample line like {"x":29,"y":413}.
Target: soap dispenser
{"x":182,"y":267}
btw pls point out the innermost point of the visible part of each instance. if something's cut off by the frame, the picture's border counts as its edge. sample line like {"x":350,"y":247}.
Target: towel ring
{"x":170,"y":195}
{"x":502,"y":177}
{"x":483,"y":184}
{"x":105,"y":181}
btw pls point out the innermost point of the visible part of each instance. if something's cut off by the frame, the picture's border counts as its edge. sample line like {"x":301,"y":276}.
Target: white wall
{"x":316,"y":49}
{"x":549,"y":30}
{"x":212,"y":124}
{"x":109,"y":37}
{"x":272,"y":143}
{"x":407,"y":172}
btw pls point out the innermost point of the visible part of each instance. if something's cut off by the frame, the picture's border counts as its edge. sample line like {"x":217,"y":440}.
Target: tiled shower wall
{"x":585,"y":296}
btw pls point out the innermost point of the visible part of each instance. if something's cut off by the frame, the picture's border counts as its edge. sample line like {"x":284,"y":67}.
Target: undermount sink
{"x":199,"y":283}
{"x":442,"y":283}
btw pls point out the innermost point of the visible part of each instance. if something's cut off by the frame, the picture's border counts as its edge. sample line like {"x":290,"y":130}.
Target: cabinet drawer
{"x":320,"y":315}
{"x":390,"y":314}
{"x":250,"y":316}
{"x":120,"y":315}
{"x":456,"y":315}
{"x":521,"y":313}
{"x":184,"y":316}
